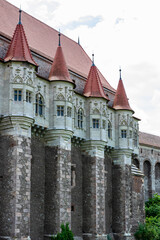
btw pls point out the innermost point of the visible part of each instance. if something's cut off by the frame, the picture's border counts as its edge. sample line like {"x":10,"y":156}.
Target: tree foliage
{"x":65,"y":234}
{"x":151,"y":229}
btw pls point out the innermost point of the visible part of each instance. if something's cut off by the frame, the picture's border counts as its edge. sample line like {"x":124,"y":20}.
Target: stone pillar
{"x":93,"y":190}
{"x":15,"y":192}
{"x":58,"y":180}
{"x":121,"y":190}
{"x":137,"y":200}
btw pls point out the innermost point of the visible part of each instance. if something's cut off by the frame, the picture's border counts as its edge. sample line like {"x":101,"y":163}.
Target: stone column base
{"x":126,"y":236}
{"x":90,"y":236}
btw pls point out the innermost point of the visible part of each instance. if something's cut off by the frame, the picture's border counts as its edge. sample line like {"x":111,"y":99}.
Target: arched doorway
{"x":157,"y":178}
{"x":147,"y":180}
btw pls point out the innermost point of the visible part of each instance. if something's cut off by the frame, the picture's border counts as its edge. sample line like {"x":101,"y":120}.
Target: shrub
{"x":65,"y":234}
{"x":151,"y":229}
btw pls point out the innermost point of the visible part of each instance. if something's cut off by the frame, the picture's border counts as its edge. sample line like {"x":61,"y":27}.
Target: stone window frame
{"x":28,"y":96}
{"x":73,"y":175}
{"x":103,"y":124}
{"x":69,"y":112}
{"x":60,"y":110}
{"x":95,"y":123}
{"x":18,"y":95}
{"x":39,"y":105}
{"x":80,"y":118}
{"x":123,"y":133}
{"x":135,"y":139}
{"x":109,"y":130}
{"x":130,"y":134}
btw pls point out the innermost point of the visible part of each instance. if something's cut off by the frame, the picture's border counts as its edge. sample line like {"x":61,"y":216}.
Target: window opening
{"x":17,"y":95}
{"x":60,"y":111}
{"x":123,"y":134}
{"x":95,"y":123}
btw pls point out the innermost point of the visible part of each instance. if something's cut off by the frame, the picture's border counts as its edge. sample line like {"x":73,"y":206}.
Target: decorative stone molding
{"x":16,"y":125}
{"x":122,"y":156}
{"x":58,"y":137}
{"x":93,"y":148}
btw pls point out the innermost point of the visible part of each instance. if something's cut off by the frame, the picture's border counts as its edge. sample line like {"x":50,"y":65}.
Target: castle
{"x":70,"y":146}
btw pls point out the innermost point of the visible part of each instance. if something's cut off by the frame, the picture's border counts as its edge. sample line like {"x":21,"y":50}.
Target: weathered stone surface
{"x":37,"y":188}
{"x":57,"y":189}
{"x":76,"y":193}
{"x":15,"y":188}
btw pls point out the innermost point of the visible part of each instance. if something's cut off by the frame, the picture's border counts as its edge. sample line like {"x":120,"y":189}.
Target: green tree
{"x":151,"y":229}
{"x":65,"y":234}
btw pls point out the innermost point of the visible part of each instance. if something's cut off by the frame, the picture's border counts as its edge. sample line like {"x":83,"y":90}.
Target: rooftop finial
{"x":78,"y":41}
{"x":59,"y":34}
{"x":120,"y":78}
{"x":92,"y":59}
{"x":20,"y":11}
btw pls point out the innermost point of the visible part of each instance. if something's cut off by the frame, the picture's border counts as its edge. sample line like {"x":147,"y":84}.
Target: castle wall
{"x":137,"y":202}
{"x":37,"y":188}
{"x":108,"y":192}
{"x":57,"y":188}
{"x":149,"y":160}
{"x":15,"y":186}
{"x":76,"y":191}
{"x":6,"y":183}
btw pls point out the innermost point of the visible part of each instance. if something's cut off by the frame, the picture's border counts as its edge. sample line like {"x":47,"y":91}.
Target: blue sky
{"x":120,"y":33}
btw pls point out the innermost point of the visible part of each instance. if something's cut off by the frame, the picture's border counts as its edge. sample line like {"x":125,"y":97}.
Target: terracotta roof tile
{"x":149,"y":139}
{"x":93,"y":87}
{"x":59,"y":69}
{"x":40,"y":39}
{"x":18,"y":49}
{"x":121,"y":100}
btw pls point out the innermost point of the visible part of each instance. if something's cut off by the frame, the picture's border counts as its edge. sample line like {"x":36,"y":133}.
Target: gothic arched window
{"x":39,"y":105}
{"x":109,"y":130}
{"x":80,"y":118}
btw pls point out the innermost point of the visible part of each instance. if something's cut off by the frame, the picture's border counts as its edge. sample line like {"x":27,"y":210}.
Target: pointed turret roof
{"x":121,"y":100}
{"x":19,"y":49}
{"x":93,"y":87}
{"x":59,"y":70}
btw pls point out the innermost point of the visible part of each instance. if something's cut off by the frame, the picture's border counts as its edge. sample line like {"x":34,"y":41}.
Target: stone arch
{"x":136,"y":162}
{"x":157,"y":177}
{"x":147,"y":179}
{"x":96,"y":111}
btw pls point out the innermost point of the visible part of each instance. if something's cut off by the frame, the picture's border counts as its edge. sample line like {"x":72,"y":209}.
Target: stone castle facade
{"x":70,"y":147}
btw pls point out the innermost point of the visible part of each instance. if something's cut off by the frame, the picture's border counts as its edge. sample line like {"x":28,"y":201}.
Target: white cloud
{"x":127,"y":35}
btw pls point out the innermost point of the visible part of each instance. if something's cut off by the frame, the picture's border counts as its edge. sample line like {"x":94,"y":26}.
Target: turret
{"x":20,"y":74}
{"x":96,"y":106}
{"x":124,"y":119}
{"x":61,"y":92}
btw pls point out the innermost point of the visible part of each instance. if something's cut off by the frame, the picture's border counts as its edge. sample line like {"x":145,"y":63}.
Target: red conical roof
{"x":121,"y":100}
{"x":59,"y":70}
{"x":93,"y":87}
{"x":19,"y":49}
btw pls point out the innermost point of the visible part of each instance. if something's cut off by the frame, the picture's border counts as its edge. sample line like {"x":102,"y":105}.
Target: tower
{"x":58,"y":145}
{"x":15,"y":129}
{"x":93,"y":157}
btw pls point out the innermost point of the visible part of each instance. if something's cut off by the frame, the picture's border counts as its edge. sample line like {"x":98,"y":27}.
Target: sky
{"x":121,"y":34}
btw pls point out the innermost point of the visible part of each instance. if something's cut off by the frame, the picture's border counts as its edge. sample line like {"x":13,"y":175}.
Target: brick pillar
{"x":58,"y":180}
{"x":15,"y":196}
{"x":122,"y":192}
{"x":93,"y":190}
